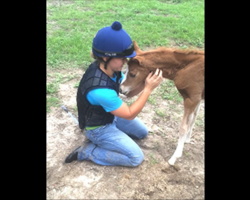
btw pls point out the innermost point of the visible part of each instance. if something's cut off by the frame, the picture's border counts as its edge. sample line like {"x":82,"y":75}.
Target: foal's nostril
{"x":123,"y":92}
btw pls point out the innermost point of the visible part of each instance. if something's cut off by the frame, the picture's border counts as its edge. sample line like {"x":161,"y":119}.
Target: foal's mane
{"x":174,"y":50}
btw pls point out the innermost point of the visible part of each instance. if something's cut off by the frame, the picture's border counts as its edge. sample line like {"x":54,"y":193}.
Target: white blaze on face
{"x":122,"y":87}
{"x":125,"y":76}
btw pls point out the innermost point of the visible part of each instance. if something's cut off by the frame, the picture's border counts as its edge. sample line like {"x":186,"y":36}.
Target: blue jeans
{"x":112,"y":144}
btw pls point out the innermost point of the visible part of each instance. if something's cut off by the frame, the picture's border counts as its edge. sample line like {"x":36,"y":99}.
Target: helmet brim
{"x":132,"y":55}
{"x":101,"y":55}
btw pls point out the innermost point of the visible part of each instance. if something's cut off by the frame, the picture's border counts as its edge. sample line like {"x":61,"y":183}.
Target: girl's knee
{"x":137,"y":159}
{"x":143,"y":133}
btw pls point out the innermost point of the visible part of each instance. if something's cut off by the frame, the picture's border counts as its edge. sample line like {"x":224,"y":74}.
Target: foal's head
{"x":135,"y":77}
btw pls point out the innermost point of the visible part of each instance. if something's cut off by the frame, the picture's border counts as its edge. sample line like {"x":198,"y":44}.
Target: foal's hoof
{"x":171,"y":161}
{"x":170,"y":169}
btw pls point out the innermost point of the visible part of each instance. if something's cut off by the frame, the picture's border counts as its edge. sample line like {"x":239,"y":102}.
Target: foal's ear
{"x":139,"y":59}
{"x":145,"y":63}
{"x":137,"y":49}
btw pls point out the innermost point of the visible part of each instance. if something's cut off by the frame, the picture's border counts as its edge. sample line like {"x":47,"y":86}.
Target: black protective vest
{"x":88,"y":114}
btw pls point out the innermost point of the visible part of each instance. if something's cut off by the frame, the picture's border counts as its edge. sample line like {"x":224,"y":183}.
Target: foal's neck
{"x":170,"y":61}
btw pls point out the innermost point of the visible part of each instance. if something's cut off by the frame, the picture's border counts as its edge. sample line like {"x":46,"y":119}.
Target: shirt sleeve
{"x":107,"y":98}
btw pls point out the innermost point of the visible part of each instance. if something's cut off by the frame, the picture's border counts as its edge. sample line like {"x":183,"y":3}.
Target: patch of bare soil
{"x":153,"y":179}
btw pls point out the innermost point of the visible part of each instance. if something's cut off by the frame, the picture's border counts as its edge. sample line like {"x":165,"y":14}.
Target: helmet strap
{"x":106,"y":62}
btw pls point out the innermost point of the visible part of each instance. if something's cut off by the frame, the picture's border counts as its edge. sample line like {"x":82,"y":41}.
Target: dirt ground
{"x":153,"y":179}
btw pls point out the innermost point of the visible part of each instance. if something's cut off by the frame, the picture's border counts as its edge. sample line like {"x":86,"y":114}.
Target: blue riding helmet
{"x":113,"y":41}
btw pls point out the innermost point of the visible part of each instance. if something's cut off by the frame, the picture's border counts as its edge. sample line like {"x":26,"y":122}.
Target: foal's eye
{"x":132,"y":75}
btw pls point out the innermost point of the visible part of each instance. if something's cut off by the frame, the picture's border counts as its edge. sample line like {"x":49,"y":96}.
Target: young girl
{"x":110,"y":123}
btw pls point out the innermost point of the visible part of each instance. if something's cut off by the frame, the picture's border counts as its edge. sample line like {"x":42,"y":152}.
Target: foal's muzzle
{"x":120,"y":90}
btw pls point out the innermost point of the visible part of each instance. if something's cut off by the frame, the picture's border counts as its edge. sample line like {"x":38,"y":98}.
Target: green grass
{"x":152,"y":100}
{"x":153,"y":161}
{"x":76,"y":85}
{"x":53,"y":86}
{"x":51,"y":101}
{"x":168,"y":91}
{"x":160,"y":112}
{"x":71,"y":26}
